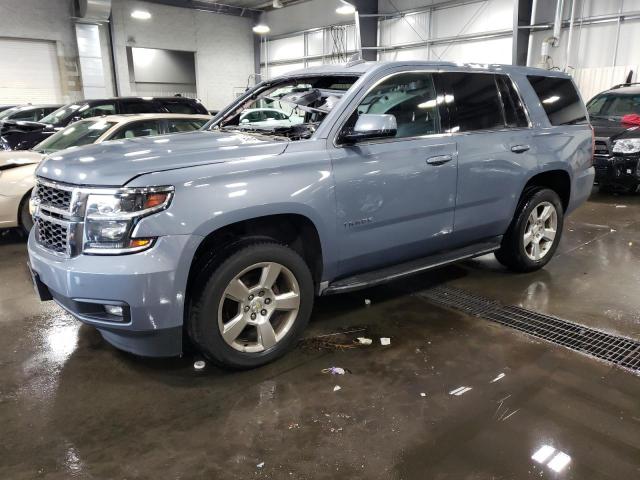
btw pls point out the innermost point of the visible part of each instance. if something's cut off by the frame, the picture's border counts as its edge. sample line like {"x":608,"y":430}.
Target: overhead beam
{"x":368,"y":30}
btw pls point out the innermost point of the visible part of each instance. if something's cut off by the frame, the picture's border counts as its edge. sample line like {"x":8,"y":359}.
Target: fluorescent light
{"x":346,"y":9}
{"x":559,"y":462}
{"x":543,"y":453}
{"x":261,"y":29}
{"x":141,"y":14}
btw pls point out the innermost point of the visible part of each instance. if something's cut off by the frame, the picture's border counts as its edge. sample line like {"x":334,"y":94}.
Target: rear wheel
{"x":253,"y":307}
{"x":534,"y":233}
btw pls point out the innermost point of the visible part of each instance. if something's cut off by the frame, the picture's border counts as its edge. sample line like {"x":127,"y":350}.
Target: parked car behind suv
{"x":617,"y":147}
{"x":17,"y":167}
{"x":225,"y":235}
{"x":25,"y":135}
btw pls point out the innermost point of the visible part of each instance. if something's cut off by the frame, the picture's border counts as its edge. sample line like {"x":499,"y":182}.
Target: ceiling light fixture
{"x":141,"y":15}
{"x":345,"y":8}
{"x":261,"y":27}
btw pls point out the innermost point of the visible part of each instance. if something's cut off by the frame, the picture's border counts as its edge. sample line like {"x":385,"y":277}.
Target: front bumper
{"x":149,"y":285}
{"x":617,"y":170}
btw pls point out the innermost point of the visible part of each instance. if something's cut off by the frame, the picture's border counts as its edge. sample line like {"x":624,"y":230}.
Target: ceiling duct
{"x":94,"y":10}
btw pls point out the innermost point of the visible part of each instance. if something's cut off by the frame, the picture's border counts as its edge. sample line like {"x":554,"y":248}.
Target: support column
{"x":522,"y":11}
{"x":368,"y":27}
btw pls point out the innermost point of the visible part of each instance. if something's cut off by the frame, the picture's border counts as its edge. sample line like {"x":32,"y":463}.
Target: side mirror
{"x":371,"y":126}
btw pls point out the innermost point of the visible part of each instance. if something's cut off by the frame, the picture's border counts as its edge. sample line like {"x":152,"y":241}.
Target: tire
{"x":520,"y":255}
{"x":24,"y":216}
{"x":235,"y":296}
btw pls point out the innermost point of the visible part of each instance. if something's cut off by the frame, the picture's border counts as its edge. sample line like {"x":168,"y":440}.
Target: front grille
{"x":53,"y":196}
{"x":617,"y":350}
{"x":601,"y":148}
{"x":52,"y":236}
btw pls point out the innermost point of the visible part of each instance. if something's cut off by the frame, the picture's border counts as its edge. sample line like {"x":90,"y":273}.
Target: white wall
{"x":591,"y":60}
{"x":223,"y":45}
{"x":46,"y":20}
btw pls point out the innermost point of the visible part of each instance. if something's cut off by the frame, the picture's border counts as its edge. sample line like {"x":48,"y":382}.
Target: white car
{"x":17,"y":167}
{"x":268,"y":117}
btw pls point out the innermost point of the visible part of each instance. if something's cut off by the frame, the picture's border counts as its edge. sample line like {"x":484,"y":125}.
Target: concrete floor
{"x":73,"y":407}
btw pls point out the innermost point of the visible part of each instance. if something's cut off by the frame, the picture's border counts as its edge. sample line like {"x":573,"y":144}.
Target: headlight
{"x":627,"y":145}
{"x":110,"y":218}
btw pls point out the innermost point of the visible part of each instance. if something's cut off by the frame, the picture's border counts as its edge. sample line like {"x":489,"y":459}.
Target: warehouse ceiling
{"x":229,"y":7}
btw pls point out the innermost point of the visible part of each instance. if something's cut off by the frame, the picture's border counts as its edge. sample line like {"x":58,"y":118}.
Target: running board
{"x":394,"y":272}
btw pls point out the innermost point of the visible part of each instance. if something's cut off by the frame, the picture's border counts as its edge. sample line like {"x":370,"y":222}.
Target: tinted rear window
{"x":559,"y":99}
{"x":476,"y":100}
{"x":181,"y":107}
{"x":514,"y":112}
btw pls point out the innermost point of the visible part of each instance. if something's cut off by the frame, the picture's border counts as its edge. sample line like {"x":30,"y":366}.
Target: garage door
{"x":29,"y":72}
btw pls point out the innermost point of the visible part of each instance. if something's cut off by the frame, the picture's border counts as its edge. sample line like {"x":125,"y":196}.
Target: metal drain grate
{"x":617,"y":350}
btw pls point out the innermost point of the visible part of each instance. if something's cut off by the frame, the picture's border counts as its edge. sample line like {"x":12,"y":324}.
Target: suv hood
{"x":117,"y":162}
{"x":614,"y":129}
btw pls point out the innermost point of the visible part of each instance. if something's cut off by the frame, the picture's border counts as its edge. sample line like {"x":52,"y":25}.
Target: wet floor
{"x":452,"y":397}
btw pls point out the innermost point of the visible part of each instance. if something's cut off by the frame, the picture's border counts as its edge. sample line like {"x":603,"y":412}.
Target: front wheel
{"x":24,"y":215}
{"x":253,"y":307}
{"x":534,"y":233}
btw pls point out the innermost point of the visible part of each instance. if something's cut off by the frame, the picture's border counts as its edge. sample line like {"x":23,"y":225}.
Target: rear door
{"x":495,"y":151}
{"x":396,"y":196}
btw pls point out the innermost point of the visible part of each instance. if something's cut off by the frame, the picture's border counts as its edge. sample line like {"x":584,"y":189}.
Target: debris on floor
{"x":621,"y":206}
{"x":422,"y":394}
{"x":364,"y":341}
{"x":336,"y":388}
{"x":499,"y":377}
{"x":367,"y":301}
{"x":335,"y":370}
{"x":385,"y":341}
{"x":260,"y":465}
{"x":340,"y":340}
{"x":199,"y":365}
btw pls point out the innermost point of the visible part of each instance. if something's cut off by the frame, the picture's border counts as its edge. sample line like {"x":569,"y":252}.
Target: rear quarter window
{"x":560,"y":100}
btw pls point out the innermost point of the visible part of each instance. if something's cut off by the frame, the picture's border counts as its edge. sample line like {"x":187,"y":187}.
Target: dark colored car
{"x":5,"y":107}
{"x":31,"y":113}
{"x":617,"y":148}
{"x":25,"y":134}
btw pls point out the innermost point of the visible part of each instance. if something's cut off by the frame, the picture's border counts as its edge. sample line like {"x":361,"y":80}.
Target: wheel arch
{"x":558,"y":180}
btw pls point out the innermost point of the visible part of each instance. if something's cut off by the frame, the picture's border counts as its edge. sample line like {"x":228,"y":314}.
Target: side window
{"x":97,"y":110}
{"x":146,"y":128}
{"x":184,"y":125}
{"x":475,"y":101}
{"x":559,"y":99}
{"x":141,"y":106}
{"x":252,"y":117}
{"x":514,"y":113}
{"x":411,"y":98}
{"x":179,"y":107}
{"x":25,"y":115}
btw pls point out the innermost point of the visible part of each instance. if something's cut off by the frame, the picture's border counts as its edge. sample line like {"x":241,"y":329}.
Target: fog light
{"x":114,"y":310}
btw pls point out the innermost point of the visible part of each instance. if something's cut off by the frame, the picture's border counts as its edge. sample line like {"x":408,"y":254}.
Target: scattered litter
{"x":385,"y":341}
{"x":613,"y":230}
{"x":459,"y":391}
{"x":293,"y":425}
{"x":367,"y":301}
{"x":364,"y":341}
{"x":336,"y":388}
{"x":499,"y":377}
{"x":631,"y":244}
{"x":199,"y":365}
{"x":340,"y":340}
{"x":335,"y":370}
{"x":335,"y":430}
{"x":260,"y":465}
{"x":621,"y":206}
{"x":422,"y":394}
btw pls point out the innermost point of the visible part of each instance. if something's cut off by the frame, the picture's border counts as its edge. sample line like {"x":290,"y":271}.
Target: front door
{"x":396,"y":196}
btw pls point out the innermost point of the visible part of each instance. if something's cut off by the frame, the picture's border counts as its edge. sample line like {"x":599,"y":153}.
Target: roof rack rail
{"x":620,"y":85}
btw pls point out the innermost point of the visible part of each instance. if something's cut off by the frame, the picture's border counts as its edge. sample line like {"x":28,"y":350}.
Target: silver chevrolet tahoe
{"x":370,"y":172}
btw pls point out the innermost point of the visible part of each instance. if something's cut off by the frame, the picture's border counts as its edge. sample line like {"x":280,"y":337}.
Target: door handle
{"x":520,"y":148}
{"x":439,"y":159}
